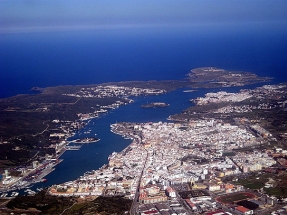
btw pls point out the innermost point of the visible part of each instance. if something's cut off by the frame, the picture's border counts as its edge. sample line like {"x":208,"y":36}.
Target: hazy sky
{"x":25,"y":14}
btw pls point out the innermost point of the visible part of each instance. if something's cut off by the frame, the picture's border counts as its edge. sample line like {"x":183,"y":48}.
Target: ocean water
{"x":102,"y":55}
{"x":106,"y":55}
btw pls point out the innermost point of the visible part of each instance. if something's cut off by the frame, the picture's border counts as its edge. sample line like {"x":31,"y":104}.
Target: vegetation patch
{"x":50,"y":205}
{"x":102,"y":206}
{"x":280,"y":192}
{"x":255,"y":180}
{"x":251,"y":184}
{"x":235,"y":197}
{"x":46,"y":204}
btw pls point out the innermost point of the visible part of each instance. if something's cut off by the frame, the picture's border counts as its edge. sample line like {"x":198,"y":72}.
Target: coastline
{"x":134,"y":159}
{"x":84,"y":118}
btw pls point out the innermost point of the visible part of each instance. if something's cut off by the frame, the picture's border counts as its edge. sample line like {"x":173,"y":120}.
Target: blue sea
{"x":45,"y":59}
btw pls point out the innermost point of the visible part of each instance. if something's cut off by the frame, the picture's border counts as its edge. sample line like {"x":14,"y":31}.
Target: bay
{"x":94,"y":155}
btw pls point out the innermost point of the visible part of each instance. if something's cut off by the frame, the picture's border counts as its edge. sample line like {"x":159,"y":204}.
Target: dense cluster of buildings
{"x":103,"y":109}
{"x":242,"y":108}
{"x":252,"y":161}
{"x":222,"y":96}
{"x":107,"y":91}
{"x":259,"y":93}
{"x":164,"y":156}
{"x":111,"y":91}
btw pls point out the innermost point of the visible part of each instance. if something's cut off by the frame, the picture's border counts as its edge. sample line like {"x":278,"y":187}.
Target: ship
{"x":86,"y":140}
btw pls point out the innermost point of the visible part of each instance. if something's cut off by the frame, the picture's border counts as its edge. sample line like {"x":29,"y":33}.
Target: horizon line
{"x":61,"y":28}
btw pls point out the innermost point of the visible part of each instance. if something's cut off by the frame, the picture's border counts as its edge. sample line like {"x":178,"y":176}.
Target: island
{"x":155,"y":105}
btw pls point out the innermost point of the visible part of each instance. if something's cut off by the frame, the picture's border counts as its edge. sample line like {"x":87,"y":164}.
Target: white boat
{"x":4,"y":195}
{"x":31,"y":192}
{"x":14,"y":194}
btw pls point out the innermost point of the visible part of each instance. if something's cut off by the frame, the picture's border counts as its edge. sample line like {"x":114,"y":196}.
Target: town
{"x":197,"y":164}
{"x":178,"y":167}
{"x":60,"y":130}
{"x":107,"y":91}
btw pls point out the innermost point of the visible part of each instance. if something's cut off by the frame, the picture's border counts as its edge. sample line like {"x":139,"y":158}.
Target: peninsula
{"x":212,"y":77}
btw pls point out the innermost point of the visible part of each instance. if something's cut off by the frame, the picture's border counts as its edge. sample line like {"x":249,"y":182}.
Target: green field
{"x":276,"y":191}
{"x":251,"y":184}
{"x":235,"y":197}
{"x":254,"y":181}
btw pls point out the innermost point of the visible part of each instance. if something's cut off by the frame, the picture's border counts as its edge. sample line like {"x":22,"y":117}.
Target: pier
{"x":73,"y":147}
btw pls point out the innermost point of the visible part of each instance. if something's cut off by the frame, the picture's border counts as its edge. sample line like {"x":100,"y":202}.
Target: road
{"x":42,"y":131}
{"x":67,"y":208}
{"x":3,"y":204}
{"x":135,"y":201}
{"x":184,"y":204}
